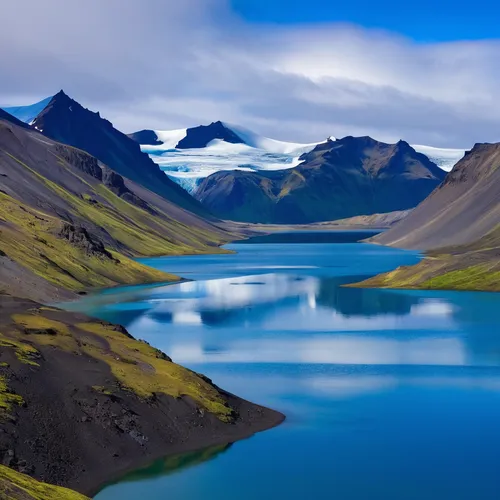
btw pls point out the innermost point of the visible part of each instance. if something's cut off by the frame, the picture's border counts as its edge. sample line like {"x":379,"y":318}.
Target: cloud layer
{"x":172,"y":64}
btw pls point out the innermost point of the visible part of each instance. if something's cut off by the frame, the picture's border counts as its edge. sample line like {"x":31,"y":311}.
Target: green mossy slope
{"x":30,"y":238}
{"x":136,"y":365}
{"x":474,"y":267}
{"x":17,"y":486}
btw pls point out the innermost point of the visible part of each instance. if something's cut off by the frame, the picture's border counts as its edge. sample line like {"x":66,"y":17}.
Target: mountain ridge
{"x":336,"y":180}
{"x":458,"y":226}
{"x":66,"y":121}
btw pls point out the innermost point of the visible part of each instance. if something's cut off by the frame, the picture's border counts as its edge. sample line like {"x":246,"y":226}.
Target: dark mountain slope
{"x":458,"y":225}
{"x":67,"y":222}
{"x":12,"y":119}
{"x":82,"y":402}
{"x":66,"y":121}
{"x":338,"y":179}
{"x":464,"y":208}
{"x":199,"y":137}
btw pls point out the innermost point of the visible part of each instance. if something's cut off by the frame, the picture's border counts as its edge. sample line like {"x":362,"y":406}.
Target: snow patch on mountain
{"x":443,"y":157}
{"x":189,"y":166}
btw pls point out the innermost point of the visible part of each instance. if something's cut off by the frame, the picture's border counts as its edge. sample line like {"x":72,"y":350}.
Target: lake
{"x":391,"y":395}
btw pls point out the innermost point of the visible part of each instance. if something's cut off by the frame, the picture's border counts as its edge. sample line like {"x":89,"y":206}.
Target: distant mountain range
{"x":28,"y":113}
{"x":189,"y":155}
{"x":237,"y":174}
{"x":337,"y":179}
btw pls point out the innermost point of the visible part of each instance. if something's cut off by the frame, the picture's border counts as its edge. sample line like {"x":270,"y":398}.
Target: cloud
{"x":171,"y":64}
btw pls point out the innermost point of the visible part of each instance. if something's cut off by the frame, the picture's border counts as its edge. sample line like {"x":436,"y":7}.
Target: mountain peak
{"x":200,"y":137}
{"x":61,"y":96}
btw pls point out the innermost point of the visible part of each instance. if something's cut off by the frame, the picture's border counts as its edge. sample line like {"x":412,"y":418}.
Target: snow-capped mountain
{"x":28,"y":113}
{"x":190,"y":155}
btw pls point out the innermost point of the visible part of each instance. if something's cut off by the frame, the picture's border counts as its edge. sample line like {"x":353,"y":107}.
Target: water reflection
{"x":399,"y":388}
{"x":175,"y":463}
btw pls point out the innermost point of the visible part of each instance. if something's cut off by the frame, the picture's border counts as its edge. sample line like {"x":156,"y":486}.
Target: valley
{"x":268,"y":246}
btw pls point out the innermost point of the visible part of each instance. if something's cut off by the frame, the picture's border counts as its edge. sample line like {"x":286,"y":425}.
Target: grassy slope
{"x":29,"y":237}
{"x":17,"y":486}
{"x":29,"y":234}
{"x":135,"y":365}
{"x":468,"y":267}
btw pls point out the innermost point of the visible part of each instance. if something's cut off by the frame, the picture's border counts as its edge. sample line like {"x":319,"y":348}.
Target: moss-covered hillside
{"x":16,"y":486}
{"x":82,"y":402}
{"x":67,"y":222}
{"x":469,"y":267}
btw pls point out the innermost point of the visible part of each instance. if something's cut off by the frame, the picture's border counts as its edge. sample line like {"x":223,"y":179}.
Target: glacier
{"x":188,"y":167}
{"x":28,"y":113}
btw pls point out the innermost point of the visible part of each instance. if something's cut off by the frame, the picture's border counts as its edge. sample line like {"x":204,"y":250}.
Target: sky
{"x":301,"y":71}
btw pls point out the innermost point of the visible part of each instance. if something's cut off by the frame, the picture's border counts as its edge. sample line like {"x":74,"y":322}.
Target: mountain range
{"x":190,"y":155}
{"x":337,"y":179}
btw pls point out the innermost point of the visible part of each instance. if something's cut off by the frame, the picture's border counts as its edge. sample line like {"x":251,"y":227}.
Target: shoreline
{"x":273,"y":419}
{"x":98,"y":427}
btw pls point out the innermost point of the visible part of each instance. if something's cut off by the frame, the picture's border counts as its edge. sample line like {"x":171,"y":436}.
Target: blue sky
{"x":422,"y":20}
{"x":424,"y":71}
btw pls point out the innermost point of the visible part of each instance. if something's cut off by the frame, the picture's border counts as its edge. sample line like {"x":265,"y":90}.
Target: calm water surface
{"x":389,"y":395}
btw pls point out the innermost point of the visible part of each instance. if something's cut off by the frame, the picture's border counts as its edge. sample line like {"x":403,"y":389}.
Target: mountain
{"x":28,"y":113}
{"x":189,"y":155}
{"x":105,"y":401}
{"x":336,"y":180}
{"x":66,"y":121}
{"x":459,"y":227}
{"x":69,"y":222}
{"x":464,"y":208}
{"x":7,"y":117}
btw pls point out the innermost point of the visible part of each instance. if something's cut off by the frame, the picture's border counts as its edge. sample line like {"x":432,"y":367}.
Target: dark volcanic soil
{"x":72,"y":434}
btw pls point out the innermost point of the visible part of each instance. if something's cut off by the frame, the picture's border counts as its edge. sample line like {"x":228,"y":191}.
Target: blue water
{"x":389,"y":395}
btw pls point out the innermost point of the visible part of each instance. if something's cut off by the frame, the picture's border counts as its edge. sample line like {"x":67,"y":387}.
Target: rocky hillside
{"x":68,"y":222}
{"x":104,"y":401}
{"x":463,"y":209}
{"x":66,"y":121}
{"x":458,"y":226}
{"x":336,"y":180}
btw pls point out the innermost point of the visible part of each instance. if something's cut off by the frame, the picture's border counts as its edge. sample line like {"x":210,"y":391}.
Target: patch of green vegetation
{"x":479,"y":277}
{"x":442,"y":272}
{"x":29,"y":238}
{"x":25,"y":353}
{"x":7,"y":399}
{"x":143,"y":369}
{"x":46,"y":332}
{"x":102,"y":390}
{"x":39,"y":322}
{"x":17,"y":486}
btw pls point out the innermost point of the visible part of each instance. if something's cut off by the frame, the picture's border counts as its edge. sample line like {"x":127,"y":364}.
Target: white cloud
{"x":171,"y":64}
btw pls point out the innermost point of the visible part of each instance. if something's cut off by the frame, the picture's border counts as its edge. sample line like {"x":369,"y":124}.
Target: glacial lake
{"x":390,"y":395}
